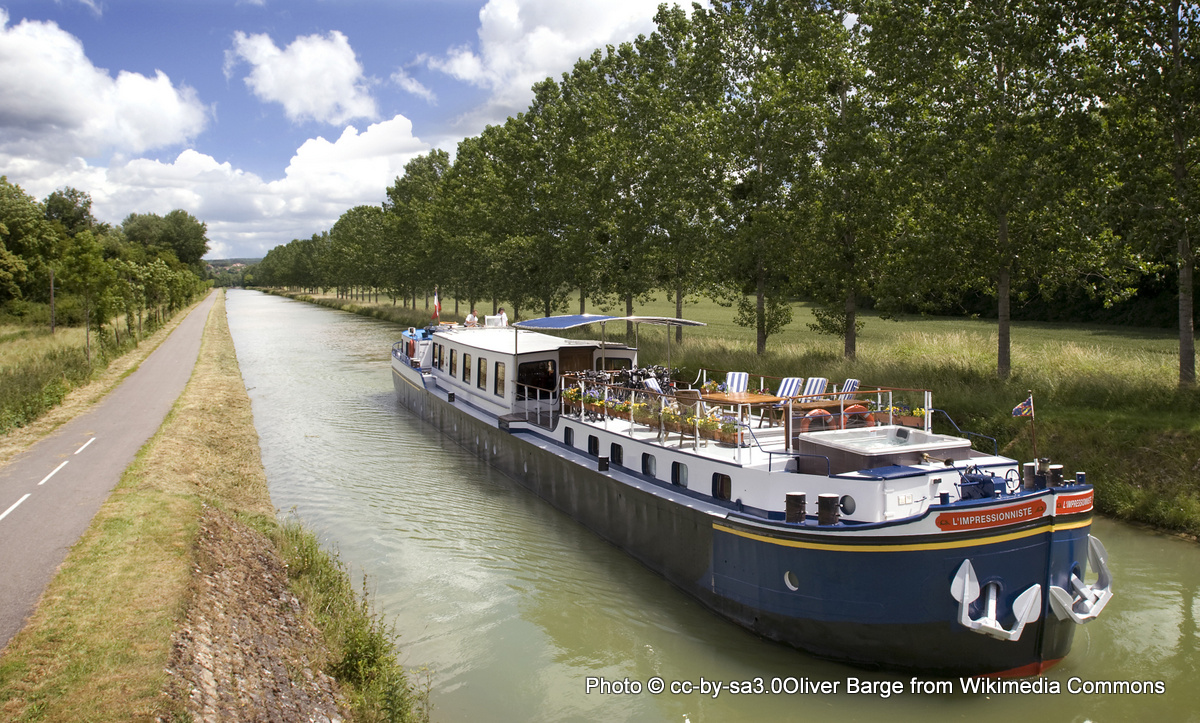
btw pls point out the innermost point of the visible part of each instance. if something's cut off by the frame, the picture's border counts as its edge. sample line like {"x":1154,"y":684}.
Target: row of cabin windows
{"x":722,"y":484}
{"x":480,"y":370}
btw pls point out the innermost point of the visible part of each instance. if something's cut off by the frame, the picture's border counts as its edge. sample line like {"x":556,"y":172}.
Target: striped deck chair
{"x":815,"y":387}
{"x":849,"y":388}
{"x":788,"y":387}
{"x":652,"y":384}
{"x":737,"y":381}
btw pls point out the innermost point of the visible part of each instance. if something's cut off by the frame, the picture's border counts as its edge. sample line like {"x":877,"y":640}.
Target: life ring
{"x":817,"y":415}
{"x":856,"y":415}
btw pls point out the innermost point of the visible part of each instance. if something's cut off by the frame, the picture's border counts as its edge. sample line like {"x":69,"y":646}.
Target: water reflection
{"x":513,"y":605}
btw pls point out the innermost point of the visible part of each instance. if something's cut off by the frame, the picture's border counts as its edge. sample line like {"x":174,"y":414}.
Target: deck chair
{"x":737,"y":381}
{"x":814,"y":388}
{"x":848,"y":389}
{"x":690,"y":398}
{"x":789,"y":387}
{"x":652,"y":384}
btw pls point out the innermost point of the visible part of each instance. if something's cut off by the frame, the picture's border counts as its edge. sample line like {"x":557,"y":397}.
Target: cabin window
{"x":499,"y":390}
{"x":482,"y":380}
{"x":437,"y":356}
{"x":454,"y":362}
{"x":610,"y":363}
{"x":536,"y":376}
{"x":722,"y":487}
{"x":593,"y":445}
{"x":679,"y":474}
{"x":569,"y":436}
{"x":617,"y":454}
{"x":467,"y":368}
{"x":649,"y":465}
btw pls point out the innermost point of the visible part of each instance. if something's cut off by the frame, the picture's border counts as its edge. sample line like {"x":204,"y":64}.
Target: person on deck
{"x":472,"y":319}
{"x":503,"y":317}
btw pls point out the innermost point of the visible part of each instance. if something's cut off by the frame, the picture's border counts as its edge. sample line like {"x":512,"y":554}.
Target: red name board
{"x":1068,"y":504}
{"x":990,"y":517}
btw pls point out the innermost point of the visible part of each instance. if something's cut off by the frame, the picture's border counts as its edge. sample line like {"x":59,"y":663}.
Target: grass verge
{"x":98,"y":644}
{"x":47,"y":398}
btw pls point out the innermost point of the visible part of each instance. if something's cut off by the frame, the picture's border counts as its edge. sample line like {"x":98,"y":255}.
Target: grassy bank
{"x":1106,"y":397}
{"x":98,"y":646}
{"x":39,"y":369}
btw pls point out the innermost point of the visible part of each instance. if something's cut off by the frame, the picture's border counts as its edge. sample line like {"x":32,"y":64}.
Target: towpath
{"x":50,"y":493}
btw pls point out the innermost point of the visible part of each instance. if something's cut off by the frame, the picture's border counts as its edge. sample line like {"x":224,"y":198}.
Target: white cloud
{"x":524,"y":41}
{"x":315,"y":78}
{"x":412,"y":85}
{"x":246,"y":215}
{"x":58,"y":105}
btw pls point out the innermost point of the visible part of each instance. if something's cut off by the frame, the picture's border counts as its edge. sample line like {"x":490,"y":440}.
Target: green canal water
{"x":516,"y":610}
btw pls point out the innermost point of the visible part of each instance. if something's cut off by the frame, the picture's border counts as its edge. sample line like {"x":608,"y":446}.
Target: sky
{"x":267,"y":119}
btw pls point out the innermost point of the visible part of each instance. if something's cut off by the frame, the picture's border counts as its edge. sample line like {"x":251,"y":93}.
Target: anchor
{"x":1088,"y":600}
{"x":965,"y":588}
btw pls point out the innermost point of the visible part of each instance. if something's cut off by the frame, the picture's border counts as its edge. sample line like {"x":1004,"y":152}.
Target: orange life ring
{"x":826,"y":420}
{"x":856,"y":415}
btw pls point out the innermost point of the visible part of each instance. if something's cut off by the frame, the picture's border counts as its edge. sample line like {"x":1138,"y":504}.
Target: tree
{"x":72,"y":208}
{"x":88,"y":275}
{"x":186,"y":236}
{"x":770,"y":57}
{"x":413,"y":241}
{"x":986,"y":90}
{"x":1147,"y":60}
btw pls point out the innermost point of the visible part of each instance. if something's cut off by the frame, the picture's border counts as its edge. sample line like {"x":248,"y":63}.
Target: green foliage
{"x":363,"y":642}
{"x":832,"y":322}
{"x":29,"y":390}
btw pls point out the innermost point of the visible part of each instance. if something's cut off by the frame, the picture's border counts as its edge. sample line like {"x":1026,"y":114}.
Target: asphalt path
{"x":50,"y":493}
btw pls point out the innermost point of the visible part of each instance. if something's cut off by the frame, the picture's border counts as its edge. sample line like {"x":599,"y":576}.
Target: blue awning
{"x":573,"y":320}
{"x":562,"y":322}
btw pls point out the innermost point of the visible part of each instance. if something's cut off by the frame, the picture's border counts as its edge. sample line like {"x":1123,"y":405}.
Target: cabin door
{"x":574,"y":360}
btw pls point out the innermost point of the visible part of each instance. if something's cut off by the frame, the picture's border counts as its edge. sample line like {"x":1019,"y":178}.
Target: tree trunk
{"x":678,"y":314}
{"x":1004,"y":346}
{"x":629,"y":312}
{"x":760,"y":312}
{"x":1187,"y":331}
{"x":851,"y":348}
{"x":582,"y":302}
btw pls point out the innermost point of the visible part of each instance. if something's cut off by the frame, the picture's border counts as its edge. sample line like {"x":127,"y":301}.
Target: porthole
{"x":848,"y":505}
{"x":649,"y":465}
{"x":679,"y":474}
{"x":569,"y":436}
{"x":616,"y":454}
{"x":593,"y":445}
{"x":791,"y":580}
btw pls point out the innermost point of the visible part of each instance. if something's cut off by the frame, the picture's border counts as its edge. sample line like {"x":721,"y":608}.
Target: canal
{"x":513,"y":607}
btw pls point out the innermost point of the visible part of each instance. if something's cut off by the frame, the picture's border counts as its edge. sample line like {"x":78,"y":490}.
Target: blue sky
{"x":267,"y":119}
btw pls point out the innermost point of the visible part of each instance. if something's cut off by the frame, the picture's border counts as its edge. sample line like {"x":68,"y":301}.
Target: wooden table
{"x":740,"y":398}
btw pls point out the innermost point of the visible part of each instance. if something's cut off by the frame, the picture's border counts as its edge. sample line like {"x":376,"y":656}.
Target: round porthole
{"x":791,"y":580}
{"x":848,"y":505}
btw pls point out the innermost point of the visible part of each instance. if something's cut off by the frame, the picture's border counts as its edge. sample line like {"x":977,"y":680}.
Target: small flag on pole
{"x":1025,"y":408}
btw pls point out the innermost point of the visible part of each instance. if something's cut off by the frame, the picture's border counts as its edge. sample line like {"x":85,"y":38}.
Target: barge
{"x":817,"y":519}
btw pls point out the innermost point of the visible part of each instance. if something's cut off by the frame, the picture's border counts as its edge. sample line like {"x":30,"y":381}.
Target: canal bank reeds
{"x":103,"y":643}
{"x":1106,"y":397}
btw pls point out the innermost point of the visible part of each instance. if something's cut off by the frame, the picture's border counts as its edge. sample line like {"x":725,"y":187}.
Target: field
{"x":1106,"y":397}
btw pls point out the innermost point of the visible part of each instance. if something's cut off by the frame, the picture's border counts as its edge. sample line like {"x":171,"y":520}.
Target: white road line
{"x":56,"y":469}
{"x":10,"y":509}
{"x":85,"y":445}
